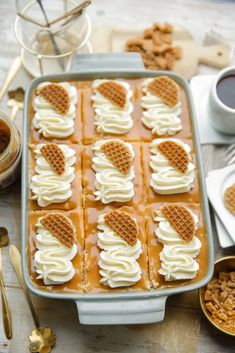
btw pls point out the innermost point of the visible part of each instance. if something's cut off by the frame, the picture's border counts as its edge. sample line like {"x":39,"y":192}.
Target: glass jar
{"x":10,"y":151}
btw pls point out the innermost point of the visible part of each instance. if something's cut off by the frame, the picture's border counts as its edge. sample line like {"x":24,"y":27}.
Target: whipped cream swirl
{"x":118,"y":265}
{"x":47,"y":186}
{"x":50,"y":123}
{"x":161,"y":118}
{"x":111,"y":185}
{"x":165,"y":179}
{"x":178,"y":256}
{"x":110,"y":118}
{"x":52,"y":259}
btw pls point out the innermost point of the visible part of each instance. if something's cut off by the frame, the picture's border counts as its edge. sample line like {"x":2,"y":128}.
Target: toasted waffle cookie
{"x":165,"y":88}
{"x":229,"y":198}
{"x":176,"y":155}
{"x":181,"y":220}
{"x":114,"y":92}
{"x":119,"y":154}
{"x":54,"y":156}
{"x":122,"y":224}
{"x":57,"y":96}
{"x":60,"y":226}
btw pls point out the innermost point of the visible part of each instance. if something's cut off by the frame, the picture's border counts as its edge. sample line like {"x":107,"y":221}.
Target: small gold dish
{"x":225,"y":264}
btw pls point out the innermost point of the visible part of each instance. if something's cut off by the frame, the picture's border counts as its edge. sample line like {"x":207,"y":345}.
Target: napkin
{"x":217,"y":181}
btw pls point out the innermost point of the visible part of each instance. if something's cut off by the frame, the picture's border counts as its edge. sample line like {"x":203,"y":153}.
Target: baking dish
{"x":122,"y":307}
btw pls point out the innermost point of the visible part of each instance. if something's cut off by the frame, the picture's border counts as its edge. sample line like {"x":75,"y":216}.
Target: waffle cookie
{"x":157,"y":240}
{"x":190,"y":196}
{"x":135,"y":186}
{"x":57,"y":96}
{"x":229,"y":198}
{"x":114,"y":92}
{"x":119,"y":154}
{"x":54,"y":156}
{"x":55,"y":114}
{"x":166,"y":89}
{"x":75,"y":220}
{"x":124,"y":225}
{"x":55,"y":185}
{"x":93,"y":277}
{"x":60,"y":226}
{"x":175,"y":154}
{"x":180,"y":219}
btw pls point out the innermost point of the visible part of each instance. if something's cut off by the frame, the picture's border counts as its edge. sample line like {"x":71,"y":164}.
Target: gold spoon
{"x":42,"y":339}
{"x":16,"y":101}
{"x":7,"y":322}
{"x":14,"y":68}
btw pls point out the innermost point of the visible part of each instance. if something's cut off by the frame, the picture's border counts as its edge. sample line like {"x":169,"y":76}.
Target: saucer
{"x":201,"y":86}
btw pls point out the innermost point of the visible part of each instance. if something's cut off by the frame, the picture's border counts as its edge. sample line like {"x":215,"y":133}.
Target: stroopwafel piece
{"x":181,"y":220}
{"x":119,"y":154}
{"x":114,"y":92}
{"x":60,"y":226}
{"x":165,"y":88}
{"x":57,"y":96}
{"x":124,"y":225}
{"x":54,"y":156}
{"x":176,"y":155}
{"x":229,"y":198}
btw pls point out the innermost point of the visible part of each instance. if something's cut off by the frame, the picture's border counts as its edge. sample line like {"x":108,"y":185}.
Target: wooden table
{"x":184,"y":329}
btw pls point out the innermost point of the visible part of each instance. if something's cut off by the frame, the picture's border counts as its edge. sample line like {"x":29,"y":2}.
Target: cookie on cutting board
{"x":108,"y":39}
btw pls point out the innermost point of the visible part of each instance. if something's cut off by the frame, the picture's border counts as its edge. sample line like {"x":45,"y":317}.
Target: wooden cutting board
{"x":107,"y":39}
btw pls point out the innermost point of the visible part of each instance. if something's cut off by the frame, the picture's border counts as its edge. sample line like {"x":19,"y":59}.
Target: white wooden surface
{"x":184,"y":329}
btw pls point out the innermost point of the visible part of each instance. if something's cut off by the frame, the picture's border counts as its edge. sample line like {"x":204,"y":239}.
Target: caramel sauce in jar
{"x":10,"y":151}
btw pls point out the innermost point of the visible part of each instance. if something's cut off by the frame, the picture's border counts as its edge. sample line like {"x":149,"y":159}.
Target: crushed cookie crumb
{"x":220,"y":300}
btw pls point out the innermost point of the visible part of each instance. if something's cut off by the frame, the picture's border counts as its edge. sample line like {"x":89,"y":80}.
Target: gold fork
{"x":7,"y":322}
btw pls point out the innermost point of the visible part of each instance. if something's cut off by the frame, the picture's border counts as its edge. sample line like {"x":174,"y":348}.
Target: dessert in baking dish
{"x":116,"y":250}
{"x":113,"y":165}
{"x":177,"y":244}
{"x":161,"y":106}
{"x":169,"y":171}
{"x":55,"y":180}
{"x":121,"y":248}
{"x":113,"y":106}
{"x":54,"y":109}
{"x":116,"y":185}
{"x":172,"y":167}
{"x":112,"y":173}
{"x":176,"y":230}
{"x":55,"y":250}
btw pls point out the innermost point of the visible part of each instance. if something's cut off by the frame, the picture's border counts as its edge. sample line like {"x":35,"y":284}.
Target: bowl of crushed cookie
{"x":217,"y":298}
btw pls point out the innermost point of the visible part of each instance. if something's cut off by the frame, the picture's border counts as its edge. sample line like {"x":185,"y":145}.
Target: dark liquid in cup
{"x":5,"y":135}
{"x":226,"y":90}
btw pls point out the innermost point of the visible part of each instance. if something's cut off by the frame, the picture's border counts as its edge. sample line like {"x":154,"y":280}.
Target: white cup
{"x":221,"y":116}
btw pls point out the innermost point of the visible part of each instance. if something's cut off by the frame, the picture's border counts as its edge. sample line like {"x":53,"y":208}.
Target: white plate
{"x":217,"y":181}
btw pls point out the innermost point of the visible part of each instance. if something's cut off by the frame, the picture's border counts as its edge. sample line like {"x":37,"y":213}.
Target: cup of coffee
{"x":222,"y":101}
